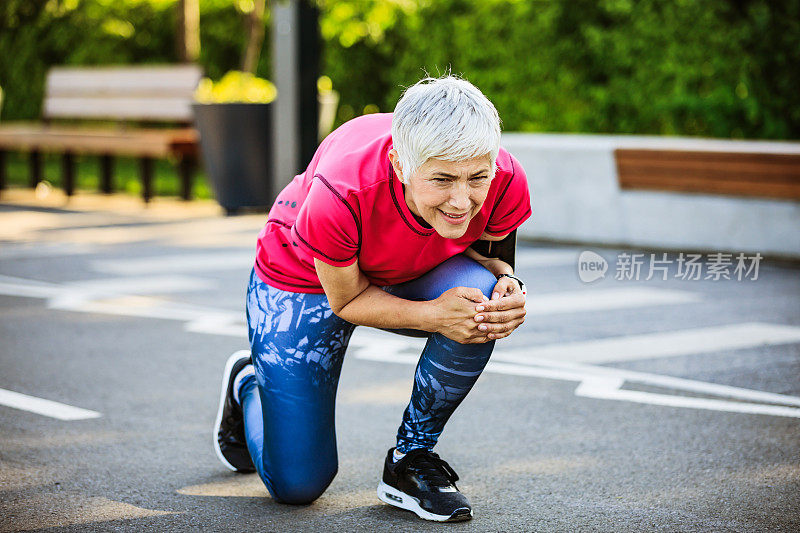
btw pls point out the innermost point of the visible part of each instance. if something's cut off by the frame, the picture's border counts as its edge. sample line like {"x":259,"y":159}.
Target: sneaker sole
{"x":397,"y":498}
{"x":226,"y":376}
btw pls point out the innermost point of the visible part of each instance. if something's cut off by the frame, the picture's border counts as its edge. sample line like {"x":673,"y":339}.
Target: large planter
{"x":236,"y":145}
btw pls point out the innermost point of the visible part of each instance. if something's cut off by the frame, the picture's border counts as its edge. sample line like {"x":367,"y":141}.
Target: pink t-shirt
{"x":349,"y":206}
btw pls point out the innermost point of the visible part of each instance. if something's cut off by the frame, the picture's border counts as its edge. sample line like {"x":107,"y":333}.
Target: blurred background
{"x":649,"y":81}
{"x":716,"y":68}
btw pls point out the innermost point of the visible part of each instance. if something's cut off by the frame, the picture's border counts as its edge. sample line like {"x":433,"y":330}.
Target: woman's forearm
{"x":375,"y":308}
{"x":495,"y":266}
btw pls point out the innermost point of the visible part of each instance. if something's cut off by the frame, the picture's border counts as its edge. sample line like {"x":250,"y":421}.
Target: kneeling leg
{"x":447,"y":370}
{"x":298,"y":345}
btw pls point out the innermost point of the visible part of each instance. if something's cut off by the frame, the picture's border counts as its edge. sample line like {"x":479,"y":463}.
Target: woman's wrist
{"x":498,"y":267}
{"x":516,"y":279}
{"x":427,"y":316}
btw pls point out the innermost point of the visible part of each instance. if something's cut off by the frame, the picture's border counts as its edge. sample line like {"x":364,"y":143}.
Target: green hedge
{"x":715,"y":68}
{"x":721,"y":68}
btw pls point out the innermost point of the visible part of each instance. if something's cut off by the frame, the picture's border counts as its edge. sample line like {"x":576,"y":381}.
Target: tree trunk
{"x":255,"y":37}
{"x":188,"y":31}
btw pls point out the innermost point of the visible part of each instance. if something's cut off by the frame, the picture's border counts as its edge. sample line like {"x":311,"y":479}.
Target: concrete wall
{"x":576,"y":197}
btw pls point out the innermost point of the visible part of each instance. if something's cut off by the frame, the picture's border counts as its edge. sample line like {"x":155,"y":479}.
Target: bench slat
{"x":122,"y":80}
{"x":157,"y":109}
{"x":138,"y":143}
{"x":162,"y":93}
{"x":720,"y":172}
{"x":740,"y":174}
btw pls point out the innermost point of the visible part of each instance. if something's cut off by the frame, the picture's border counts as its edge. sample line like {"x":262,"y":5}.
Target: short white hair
{"x":445,"y":118}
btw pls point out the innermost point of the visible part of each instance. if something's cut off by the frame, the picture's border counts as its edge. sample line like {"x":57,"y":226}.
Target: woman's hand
{"x":506,"y":286}
{"x":504,"y":313}
{"x":454,"y":314}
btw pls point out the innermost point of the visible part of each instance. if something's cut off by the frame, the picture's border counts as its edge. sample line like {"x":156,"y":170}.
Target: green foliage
{"x":716,"y":68}
{"x":721,"y":68}
{"x":37,"y":34}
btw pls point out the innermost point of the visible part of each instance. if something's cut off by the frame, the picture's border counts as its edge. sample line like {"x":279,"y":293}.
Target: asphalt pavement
{"x":622,"y":404}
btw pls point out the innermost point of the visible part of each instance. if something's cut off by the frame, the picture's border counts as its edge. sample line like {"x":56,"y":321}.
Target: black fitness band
{"x":503,"y":249}
{"x":515,"y":278}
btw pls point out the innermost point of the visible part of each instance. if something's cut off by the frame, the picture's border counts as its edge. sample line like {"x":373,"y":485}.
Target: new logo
{"x":591,"y":266}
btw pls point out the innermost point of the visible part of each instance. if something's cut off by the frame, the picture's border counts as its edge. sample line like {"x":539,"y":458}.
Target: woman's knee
{"x":466,"y":272}
{"x":299,"y":488}
{"x":486,"y":282}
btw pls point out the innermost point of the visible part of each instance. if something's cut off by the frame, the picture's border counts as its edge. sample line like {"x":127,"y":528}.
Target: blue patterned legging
{"x":298,"y":345}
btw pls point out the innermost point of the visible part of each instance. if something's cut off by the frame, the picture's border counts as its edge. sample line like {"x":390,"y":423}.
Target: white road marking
{"x":603,"y":299}
{"x":373,"y":347}
{"x":139,"y":285}
{"x":96,"y":288}
{"x":670,"y":382}
{"x":72,"y":295}
{"x":610,"y":389}
{"x":38,"y":250}
{"x":603,"y":382}
{"x":83,"y":297}
{"x":180,"y":264}
{"x":44,"y":407}
{"x":146,"y":307}
{"x":663,"y":344}
{"x":121,"y":297}
{"x":228,"y":324}
{"x":379,"y":342}
{"x":26,"y":288}
{"x":535,"y":361}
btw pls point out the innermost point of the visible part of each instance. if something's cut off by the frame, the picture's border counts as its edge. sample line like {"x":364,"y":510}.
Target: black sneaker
{"x":229,"y":441}
{"x":425,"y":484}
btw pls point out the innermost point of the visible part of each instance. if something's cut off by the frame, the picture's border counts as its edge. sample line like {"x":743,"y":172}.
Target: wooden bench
{"x":763,"y":175}
{"x":135,"y":99}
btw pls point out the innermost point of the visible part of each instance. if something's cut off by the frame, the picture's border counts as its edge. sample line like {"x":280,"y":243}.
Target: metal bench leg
{"x":146,"y":166}
{"x":186,"y":167}
{"x":106,"y":174}
{"x":68,"y":173}
{"x":36,"y":168}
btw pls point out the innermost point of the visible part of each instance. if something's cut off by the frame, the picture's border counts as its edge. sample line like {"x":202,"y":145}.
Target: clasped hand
{"x":466,"y":316}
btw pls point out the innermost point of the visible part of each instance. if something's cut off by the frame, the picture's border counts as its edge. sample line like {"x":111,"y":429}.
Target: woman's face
{"x":447,"y":194}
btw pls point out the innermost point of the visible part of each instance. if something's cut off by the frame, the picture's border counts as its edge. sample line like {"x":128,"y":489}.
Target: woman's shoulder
{"x":355,"y":155}
{"x":507,"y":163}
{"x":508,"y":168}
{"x":364,"y":128}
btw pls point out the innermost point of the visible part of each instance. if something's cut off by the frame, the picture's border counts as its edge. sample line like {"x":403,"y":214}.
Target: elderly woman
{"x":404,"y":222}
